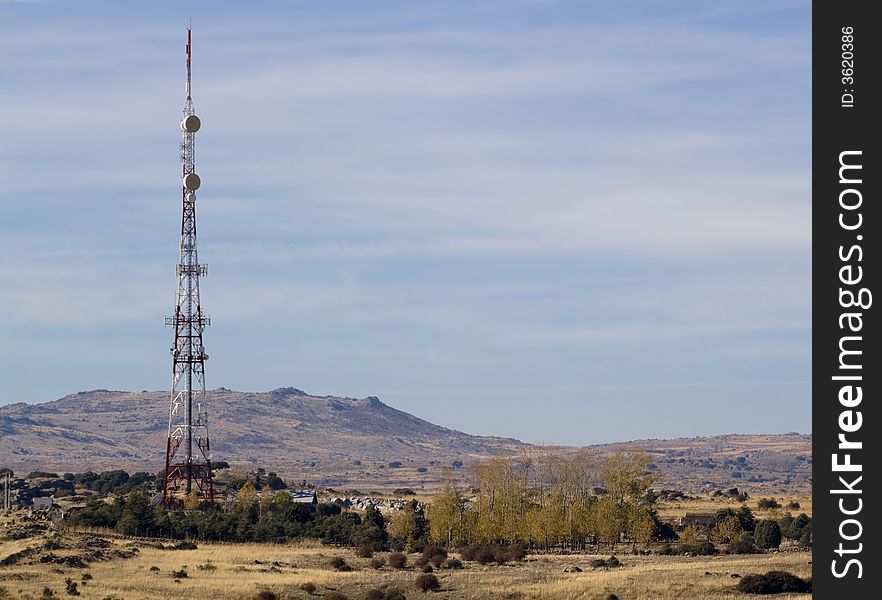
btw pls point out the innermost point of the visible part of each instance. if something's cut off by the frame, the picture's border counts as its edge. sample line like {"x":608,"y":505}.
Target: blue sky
{"x":567,"y":222}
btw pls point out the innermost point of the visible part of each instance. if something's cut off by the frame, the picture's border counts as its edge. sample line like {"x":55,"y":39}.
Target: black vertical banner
{"x":846,"y":332}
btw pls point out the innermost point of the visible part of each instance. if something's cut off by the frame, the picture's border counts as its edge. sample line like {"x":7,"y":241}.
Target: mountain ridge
{"x":341,"y":441}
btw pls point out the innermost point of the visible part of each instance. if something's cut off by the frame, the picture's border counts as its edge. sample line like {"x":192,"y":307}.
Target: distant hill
{"x":332,"y":441}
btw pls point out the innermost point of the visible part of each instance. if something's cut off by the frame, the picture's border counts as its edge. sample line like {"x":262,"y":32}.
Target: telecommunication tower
{"x":188,"y":452}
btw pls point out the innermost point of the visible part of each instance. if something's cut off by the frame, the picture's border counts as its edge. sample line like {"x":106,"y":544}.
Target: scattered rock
{"x":572,"y":569}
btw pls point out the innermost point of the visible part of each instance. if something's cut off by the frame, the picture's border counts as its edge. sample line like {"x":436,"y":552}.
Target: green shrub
{"x":774,"y":582}
{"x":767,"y":534}
{"x":71,"y":587}
{"x":743,"y":545}
{"x":699,"y":549}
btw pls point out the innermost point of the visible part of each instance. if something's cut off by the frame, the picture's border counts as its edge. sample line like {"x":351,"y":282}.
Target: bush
{"x":374,"y":594}
{"x":467,"y":552}
{"x":394,"y":593}
{"x":517,"y":553}
{"x":432,"y":550}
{"x":612,"y":562}
{"x":154,"y":569}
{"x":378,"y":562}
{"x":484,"y":555}
{"x":773,"y":582}
{"x":501,"y":556}
{"x":699,"y":549}
{"x":767,"y":503}
{"x":428,"y":583}
{"x":397,"y":560}
{"x":365,"y":552}
{"x":793,"y":505}
{"x":427,"y":568}
{"x":597,"y":563}
{"x":335,"y":596}
{"x":266,"y":595}
{"x":767,"y":534}
{"x":71,"y":587}
{"x":452,"y":563}
{"x":743,"y":545}
{"x":181,"y":574}
{"x":340,"y":564}
{"x":308,"y":587}
{"x":207,"y":567}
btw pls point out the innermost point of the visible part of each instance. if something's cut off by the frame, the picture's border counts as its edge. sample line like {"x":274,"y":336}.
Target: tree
{"x":767,"y":534}
{"x":727,"y":531}
{"x":446,"y":514}
{"x":746,"y":518}
{"x":642,"y":525}
{"x":625,"y":475}
{"x":192,"y":500}
{"x":502,"y":500}
{"x":610,"y":519}
{"x":372,"y":531}
{"x":691,"y":536}
{"x":136,"y":515}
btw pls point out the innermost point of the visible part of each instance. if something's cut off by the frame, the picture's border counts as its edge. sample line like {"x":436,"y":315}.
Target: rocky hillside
{"x":109,"y":429}
{"x":346,"y":442}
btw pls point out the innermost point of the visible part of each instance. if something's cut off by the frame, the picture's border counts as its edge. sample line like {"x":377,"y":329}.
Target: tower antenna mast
{"x":188,"y":452}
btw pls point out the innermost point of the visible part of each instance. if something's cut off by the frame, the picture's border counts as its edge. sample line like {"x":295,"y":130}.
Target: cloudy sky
{"x":562,"y":221}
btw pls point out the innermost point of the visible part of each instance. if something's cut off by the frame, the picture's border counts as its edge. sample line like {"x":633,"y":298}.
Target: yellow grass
{"x":237,"y":575}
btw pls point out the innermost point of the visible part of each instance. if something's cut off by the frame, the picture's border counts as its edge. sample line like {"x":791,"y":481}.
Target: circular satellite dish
{"x":191,"y":124}
{"x":190,"y":197}
{"x":192,"y":181}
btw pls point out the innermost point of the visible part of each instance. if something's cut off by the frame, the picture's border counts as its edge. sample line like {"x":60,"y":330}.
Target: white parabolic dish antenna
{"x":192,"y":181}
{"x":191,"y":124}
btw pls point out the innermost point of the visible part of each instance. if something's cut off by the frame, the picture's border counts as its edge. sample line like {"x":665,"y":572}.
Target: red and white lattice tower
{"x":188,"y":452}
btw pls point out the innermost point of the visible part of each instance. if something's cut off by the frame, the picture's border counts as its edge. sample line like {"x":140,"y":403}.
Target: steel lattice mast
{"x":188,"y":453}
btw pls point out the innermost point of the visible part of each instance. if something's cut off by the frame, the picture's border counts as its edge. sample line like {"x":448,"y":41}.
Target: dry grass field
{"x":669,"y":509}
{"x":241,"y":571}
